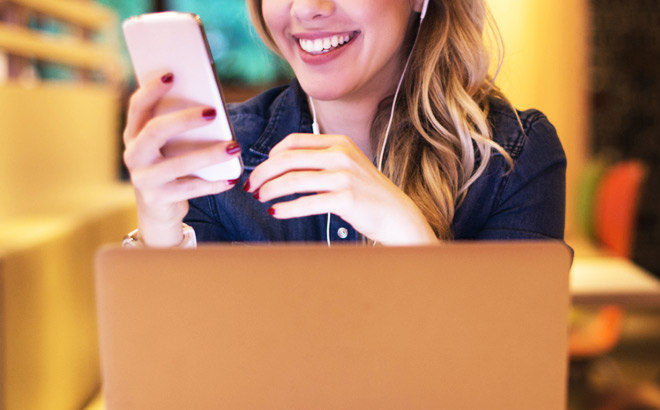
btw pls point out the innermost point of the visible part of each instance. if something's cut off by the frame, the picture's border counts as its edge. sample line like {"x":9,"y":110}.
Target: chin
{"x":322,"y":90}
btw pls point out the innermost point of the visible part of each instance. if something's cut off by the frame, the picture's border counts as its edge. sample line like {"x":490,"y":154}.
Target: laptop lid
{"x":458,"y":326}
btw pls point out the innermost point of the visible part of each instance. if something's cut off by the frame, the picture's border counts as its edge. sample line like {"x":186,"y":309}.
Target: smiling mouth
{"x":326,"y":44}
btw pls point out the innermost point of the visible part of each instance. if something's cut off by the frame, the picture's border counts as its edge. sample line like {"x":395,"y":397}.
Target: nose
{"x":308,"y":10}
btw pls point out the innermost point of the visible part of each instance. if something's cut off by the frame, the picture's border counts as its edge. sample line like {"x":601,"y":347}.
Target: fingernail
{"x":167,"y":78}
{"x":209,"y":113}
{"x":256,"y":195}
{"x":271,"y":211}
{"x":246,"y":187}
{"x":232,"y":182}
{"x":233,"y":148}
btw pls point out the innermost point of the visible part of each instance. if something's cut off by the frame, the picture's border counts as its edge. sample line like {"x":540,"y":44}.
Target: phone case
{"x":174,"y":42}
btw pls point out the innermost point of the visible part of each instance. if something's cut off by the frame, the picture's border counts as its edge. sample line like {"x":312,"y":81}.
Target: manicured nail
{"x":271,"y":211}
{"x":256,"y":195}
{"x":209,"y":113}
{"x":233,"y":182}
{"x":233,"y":148}
{"x":167,"y":78}
{"x":246,"y":187}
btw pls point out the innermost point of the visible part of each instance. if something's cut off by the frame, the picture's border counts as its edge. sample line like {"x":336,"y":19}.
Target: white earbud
{"x":425,"y":6}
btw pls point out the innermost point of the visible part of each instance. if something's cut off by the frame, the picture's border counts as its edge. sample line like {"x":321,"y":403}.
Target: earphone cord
{"x":396,"y":95}
{"x":316,"y":130}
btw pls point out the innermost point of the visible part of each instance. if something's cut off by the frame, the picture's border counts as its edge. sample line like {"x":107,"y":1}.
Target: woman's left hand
{"x":342,"y":181}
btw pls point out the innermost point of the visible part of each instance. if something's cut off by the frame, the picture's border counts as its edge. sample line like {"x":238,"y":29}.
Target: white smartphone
{"x":174,"y":42}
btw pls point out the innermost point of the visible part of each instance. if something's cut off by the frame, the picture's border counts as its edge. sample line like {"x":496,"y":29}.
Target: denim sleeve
{"x":531,"y":199}
{"x":202,"y":216}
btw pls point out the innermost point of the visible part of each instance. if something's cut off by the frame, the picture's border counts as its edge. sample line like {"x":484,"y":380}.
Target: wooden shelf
{"x":80,"y":13}
{"x":61,"y":49}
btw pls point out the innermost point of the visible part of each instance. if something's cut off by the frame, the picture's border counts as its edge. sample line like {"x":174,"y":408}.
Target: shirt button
{"x":342,"y":233}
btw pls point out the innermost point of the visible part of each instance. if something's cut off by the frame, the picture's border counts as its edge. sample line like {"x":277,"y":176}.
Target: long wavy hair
{"x":440,"y":140}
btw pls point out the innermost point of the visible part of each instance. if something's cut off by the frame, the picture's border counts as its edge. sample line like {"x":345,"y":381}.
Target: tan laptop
{"x":461,"y":326}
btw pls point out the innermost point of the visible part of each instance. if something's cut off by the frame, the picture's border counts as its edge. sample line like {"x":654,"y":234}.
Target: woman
{"x":456,"y":161}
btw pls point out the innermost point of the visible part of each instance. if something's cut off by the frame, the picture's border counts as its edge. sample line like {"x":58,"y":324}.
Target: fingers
{"x":193,"y":187}
{"x":180,"y":190}
{"x":309,"y":141}
{"x":333,"y":202}
{"x":169,"y":169}
{"x":335,"y":158}
{"x":145,"y":150}
{"x":302,"y":182}
{"x":159,"y":201}
{"x":142,"y":103}
{"x":300,"y":152}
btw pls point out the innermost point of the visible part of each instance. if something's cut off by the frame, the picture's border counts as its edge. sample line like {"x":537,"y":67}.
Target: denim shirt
{"x":527,"y":202}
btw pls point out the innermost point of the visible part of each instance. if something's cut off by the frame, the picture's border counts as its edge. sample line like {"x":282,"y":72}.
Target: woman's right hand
{"x":164,"y":185}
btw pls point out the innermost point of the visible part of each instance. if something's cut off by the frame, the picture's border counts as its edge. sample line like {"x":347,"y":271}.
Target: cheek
{"x":275,"y":13}
{"x":277,"y":17}
{"x":390,"y":20}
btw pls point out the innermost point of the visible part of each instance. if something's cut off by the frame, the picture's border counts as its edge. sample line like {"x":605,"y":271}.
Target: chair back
{"x":617,"y":205}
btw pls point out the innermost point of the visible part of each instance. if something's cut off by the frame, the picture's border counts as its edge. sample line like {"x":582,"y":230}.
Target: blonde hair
{"x":440,"y":141}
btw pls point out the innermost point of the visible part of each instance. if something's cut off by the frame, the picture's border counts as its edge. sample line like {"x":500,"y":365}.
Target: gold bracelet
{"x":132,"y":240}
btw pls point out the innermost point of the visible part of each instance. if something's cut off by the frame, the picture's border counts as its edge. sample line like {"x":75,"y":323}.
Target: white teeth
{"x":321,"y":45}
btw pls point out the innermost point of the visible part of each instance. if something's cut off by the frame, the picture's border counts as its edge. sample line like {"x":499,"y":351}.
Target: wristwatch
{"x":132,"y":240}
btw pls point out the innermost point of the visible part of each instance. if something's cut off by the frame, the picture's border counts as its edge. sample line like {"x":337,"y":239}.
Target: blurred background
{"x":590,"y":65}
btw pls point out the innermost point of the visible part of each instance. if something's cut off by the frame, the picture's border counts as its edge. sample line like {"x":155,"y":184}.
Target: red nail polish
{"x":233,"y":181}
{"x":233,"y":148}
{"x":209,"y":113}
{"x":256,"y":195}
{"x":167,"y":78}
{"x":271,"y":211}
{"x":246,"y":187}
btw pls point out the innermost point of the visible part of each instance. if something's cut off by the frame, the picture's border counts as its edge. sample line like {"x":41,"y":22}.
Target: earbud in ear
{"x":425,"y":6}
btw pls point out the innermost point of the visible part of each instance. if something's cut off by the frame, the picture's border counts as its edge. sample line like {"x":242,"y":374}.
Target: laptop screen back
{"x":460,"y":326}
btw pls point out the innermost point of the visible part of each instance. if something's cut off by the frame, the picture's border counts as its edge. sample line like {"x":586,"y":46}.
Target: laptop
{"x":459,"y":326}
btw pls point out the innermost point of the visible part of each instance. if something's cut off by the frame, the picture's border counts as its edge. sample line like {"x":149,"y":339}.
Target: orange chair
{"x":617,"y":204}
{"x":615,"y":208}
{"x":598,"y":335}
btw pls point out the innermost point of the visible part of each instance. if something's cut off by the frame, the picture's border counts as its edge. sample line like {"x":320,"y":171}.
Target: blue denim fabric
{"x":526,"y":203}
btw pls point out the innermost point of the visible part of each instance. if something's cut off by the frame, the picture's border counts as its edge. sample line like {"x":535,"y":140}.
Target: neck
{"x":350,"y":118}
{"x":352,"y":114}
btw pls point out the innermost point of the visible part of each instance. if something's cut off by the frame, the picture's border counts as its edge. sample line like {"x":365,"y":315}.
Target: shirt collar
{"x":289,"y":113}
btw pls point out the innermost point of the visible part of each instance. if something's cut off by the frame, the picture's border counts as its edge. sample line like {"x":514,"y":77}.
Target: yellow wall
{"x":59,"y":201}
{"x":546,"y":67}
{"x":59,"y":141}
